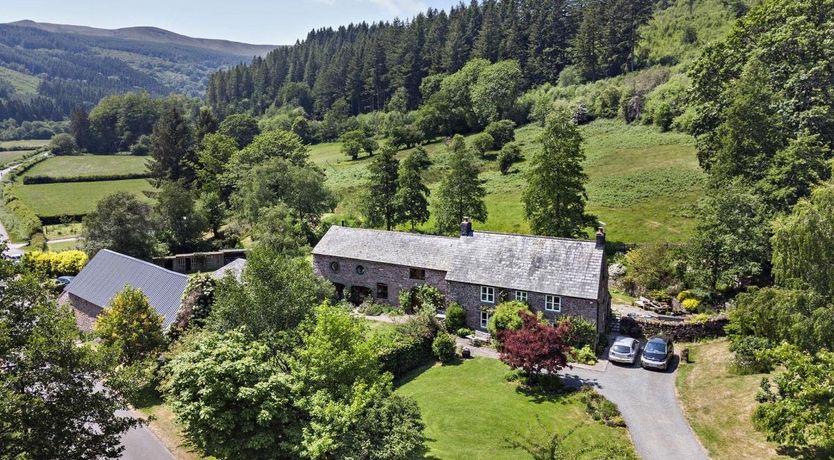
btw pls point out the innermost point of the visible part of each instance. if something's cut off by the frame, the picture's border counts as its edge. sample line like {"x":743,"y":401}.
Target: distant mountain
{"x":46,"y":70}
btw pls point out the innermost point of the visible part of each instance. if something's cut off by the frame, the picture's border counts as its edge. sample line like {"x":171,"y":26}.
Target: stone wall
{"x":396,"y":277}
{"x":677,"y":331}
{"x":469,"y":296}
{"x":85,"y":312}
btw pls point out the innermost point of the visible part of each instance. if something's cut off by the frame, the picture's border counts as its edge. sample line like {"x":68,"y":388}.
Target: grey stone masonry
{"x":395,"y":277}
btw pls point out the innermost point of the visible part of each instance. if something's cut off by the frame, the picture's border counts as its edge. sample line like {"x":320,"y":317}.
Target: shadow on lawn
{"x":549,"y":388}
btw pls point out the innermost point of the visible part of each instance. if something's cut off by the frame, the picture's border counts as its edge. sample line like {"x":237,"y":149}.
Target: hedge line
{"x":26,"y":222}
{"x":62,"y":219}
{"x":29,"y":180}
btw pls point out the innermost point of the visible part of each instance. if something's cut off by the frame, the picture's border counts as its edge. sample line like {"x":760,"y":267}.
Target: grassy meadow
{"x":9,"y":157}
{"x":25,"y":143}
{"x":642,"y":182}
{"x":75,"y":198}
{"x":89,"y":165}
{"x":719,"y":404}
{"x":470,"y":410}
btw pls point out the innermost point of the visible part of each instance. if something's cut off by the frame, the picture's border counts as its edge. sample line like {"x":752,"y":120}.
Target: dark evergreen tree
{"x":173,"y":156}
{"x":380,"y":204}
{"x":412,"y":195}
{"x":461,"y":192}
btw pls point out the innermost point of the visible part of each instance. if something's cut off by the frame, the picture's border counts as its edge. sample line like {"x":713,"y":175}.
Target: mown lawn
{"x":89,"y":165}
{"x":75,"y":198}
{"x":470,"y":411}
{"x":719,"y":404}
{"x":642,"y":182}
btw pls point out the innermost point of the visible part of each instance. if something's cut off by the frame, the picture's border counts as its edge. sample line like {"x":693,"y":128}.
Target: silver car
{"x":625,"y":350}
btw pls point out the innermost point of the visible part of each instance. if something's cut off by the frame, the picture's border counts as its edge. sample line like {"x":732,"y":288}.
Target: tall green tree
{"x":180,"y":224}
{"x":461,"y":192}
{"x":554,"y":198}
{"x":173,"y":156}
{"x":120,"y":223}
{"x":380,"y":203}
{"x":212,"y":160}
{"x":241,"y":127}
{"x":130,"y":327}
{"x":412,"y":194}
{"x":206,"y":124}
{"x":50,"y":403}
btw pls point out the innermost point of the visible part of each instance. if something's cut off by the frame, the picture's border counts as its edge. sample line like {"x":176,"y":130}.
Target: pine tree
{"x":412,"y":195}
{"x":554,"y":200}
{"x":380,"y":204}
{"x":206,"y":124}
{"x":172,"y":149}
{"x":461,"y":192}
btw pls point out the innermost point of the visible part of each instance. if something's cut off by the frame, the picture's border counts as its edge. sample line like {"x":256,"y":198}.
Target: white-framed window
{"x":521,"y":296}
{"x":552,"y":303}
{"x":484,"y":319}
{"x":487,"y":294}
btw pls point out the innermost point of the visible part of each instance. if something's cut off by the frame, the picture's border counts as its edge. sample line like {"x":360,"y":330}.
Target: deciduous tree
{"x":536,"y":348}
{"x":130,"y":326}
{"x":120,"y":223}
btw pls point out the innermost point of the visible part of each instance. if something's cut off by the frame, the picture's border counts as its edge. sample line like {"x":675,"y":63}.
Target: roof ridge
{"x":543,"y":237}
{"x":399,"y":232}
{"x":125,"y":256}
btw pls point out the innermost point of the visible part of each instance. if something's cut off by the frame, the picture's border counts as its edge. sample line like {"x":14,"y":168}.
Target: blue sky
{"x":274,"y":22}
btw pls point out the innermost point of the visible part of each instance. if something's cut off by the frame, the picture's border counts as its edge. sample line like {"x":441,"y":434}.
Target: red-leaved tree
{"x":536,"y":348}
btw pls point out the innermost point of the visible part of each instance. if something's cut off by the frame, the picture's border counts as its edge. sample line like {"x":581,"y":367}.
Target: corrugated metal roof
{"x":108,"y":273}
{"x":234,"y":267}
{"x":397,"y":248}
{"x":557,"y":266}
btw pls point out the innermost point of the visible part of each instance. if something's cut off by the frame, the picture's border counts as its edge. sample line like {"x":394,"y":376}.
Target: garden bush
{"x":455,"y":317}
{"x":420,"y":298}
{"x":581,"y":332}
{"x":444,"y":348}
{"x":507,"y":315}
{"x":55,"y":263}
{"x":583,"y":355}
{"x":463,"y":332}
{"x":691,"y":305}
{"x":408,"y":347}
{"x":29,"y":180}
{"x":601,"y":409}
{"x":750,"y":355}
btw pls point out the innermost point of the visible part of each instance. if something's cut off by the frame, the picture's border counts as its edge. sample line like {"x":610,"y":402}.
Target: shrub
{"x":55,"y":263}
{"x":581,"y":332}
{"x":691,"y":305}
{"x":510,"y":154}
{"x":535,"y":348}
{"x":507,"y":315}
{"x":700,"y":318}
{"x":63,"y":144}
{"x":502,"y":132}
{"x":601,"y":409}
{"x":443,"y":348}
{"x":407,"y":348}
{"x":455,"y":317}
{"x":422,"y":298}
{"x":482,"y":143}
{"x":27,"y":180}
{"x":195,"y":307}
{"x":750,"y":355}
{"x":463,"y":332}
{"x":142,"y":147}
{"x":130,"y":327}
{"x":583,"y":355}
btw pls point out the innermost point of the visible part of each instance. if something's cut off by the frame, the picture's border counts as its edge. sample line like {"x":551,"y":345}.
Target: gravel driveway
{"x":649,"y":406}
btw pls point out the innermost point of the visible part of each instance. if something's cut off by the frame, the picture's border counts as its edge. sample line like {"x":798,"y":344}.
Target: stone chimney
{"x":600,"y":238}
{"x":466,"y":227}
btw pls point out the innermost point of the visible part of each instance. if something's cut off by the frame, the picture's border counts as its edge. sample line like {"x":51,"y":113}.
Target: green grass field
{"x":7,"y":158}
{"x":89,"y":165}
{"x":27,"y":143}
{"x":77,"y":197}
{"x":21,"y":82}
{"x":470,"y":410}
{"x":642,"y":183}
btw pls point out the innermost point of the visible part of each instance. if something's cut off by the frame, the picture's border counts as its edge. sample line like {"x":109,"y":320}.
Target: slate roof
{"x":108,"y":273}
{"x":234,"y":267}
{"x":557,"y":266}
{"x":397,"y":248}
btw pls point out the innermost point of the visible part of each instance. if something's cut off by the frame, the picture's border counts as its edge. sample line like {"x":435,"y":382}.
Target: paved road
{"x":141,"y":444}
{"x":649,"y":405}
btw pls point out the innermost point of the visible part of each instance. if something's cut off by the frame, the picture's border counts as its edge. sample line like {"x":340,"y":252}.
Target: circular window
{"x":360,"y":269}
{"x":334,"y":266}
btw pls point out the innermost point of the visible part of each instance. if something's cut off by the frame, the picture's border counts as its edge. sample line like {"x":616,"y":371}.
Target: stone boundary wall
{"x":683,"y":331}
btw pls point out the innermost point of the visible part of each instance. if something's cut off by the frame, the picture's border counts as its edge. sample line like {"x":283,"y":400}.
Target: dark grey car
{"x":657,"y":354}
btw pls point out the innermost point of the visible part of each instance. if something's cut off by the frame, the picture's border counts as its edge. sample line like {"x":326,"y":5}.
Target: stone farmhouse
{"x":478,"y":270}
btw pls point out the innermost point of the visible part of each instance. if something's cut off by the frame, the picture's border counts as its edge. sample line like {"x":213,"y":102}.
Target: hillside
{"x":46,"y":70}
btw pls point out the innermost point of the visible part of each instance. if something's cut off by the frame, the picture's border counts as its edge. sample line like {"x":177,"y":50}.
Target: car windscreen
{"x":621,"y":349}
{"x":656,"y":347}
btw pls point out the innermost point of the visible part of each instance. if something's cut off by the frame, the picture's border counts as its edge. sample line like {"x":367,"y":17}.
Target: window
{"x":416,"y":273}
{"x":334,"y":266}
{"x":381,"y":291}
{"x":360,"y":270}
{"x":521,"y":296}
{"x":552,"y":303}
{"x":484,"y":319}
{"x":487,"y":294}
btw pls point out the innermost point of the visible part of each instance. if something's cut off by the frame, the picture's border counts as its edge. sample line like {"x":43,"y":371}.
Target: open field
{"x":642,"y":183}
{"x":470,"y":410}
{"x":75,"y":198}
{"x":21,"y":82}
{"x":89,"y":165}
{"x":719,"y":404}
{"x":27,"y":143}
{"x":7,"y":158}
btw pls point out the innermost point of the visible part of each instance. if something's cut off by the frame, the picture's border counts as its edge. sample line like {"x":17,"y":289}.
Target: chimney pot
{"x":466,"y":227}
{"x":600,"y":238}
